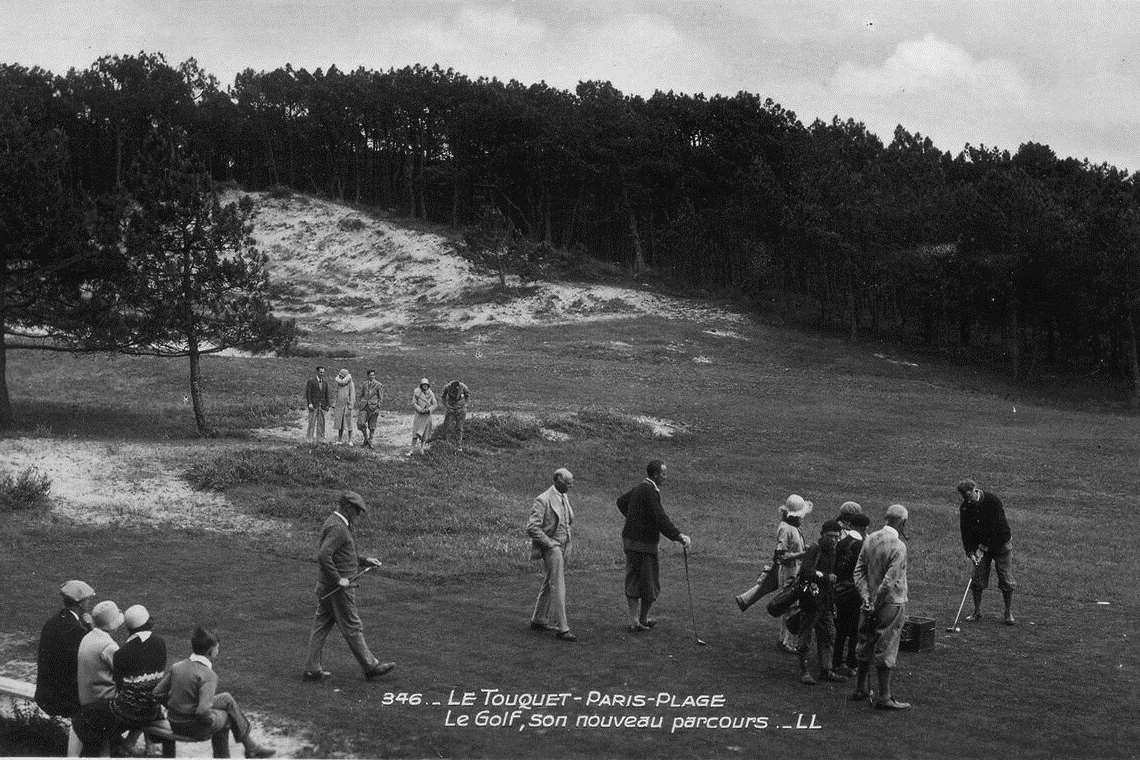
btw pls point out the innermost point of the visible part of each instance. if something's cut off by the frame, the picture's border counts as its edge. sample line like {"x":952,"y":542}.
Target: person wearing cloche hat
{"x":137,"y":668}
{"x":96,"y":653}
{"x":338,"y":565}
{"x":789,"y":548}
{"x":423,"y":404}
{"x":57,"y":658}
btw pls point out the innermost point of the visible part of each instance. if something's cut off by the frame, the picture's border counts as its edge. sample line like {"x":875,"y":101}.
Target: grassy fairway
{"x":768,"y":413}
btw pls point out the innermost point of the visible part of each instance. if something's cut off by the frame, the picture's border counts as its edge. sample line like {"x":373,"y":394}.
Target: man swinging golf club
{"x":986,"y":539}
{"x":336,"y":598}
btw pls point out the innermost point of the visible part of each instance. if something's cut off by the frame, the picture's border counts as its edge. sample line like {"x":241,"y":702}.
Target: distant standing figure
{"x":371,"y":397}
{"x":196,"y":708}
{"x":986,"y":537}
{"x":57,"y":659}
{"x":880,"y":576}
{"x":336,"y":598}
{"x":318,"y":397}
{"x":344,"y":417}
{"x":645,"y":523}
{"x":454,"y":396}
{"x":549,"y":528}
{"x":790,"y":547}
{"x":423,"y":404}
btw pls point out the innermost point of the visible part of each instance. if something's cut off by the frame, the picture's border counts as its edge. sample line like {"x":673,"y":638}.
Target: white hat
{"x":106,"y":615}
{"x":795,"y":506}
{"x":136,"y":617}
{"x":424,"y":381}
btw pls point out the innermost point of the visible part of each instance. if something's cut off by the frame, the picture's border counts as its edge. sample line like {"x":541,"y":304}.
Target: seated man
{"x":194,"y":707}
{"x":57,"y":661}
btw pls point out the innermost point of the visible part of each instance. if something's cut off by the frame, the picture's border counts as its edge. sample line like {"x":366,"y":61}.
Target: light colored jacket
{"x":424,"y":401}
{"x":880,"y":571}
{"x":96,"y":661}
{"x":551,"y":509}
{"x":345,"y":395}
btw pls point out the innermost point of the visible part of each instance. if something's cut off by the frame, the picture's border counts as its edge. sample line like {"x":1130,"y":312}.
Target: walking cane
{"x":692,"y":613}
{"x":350,"y":580}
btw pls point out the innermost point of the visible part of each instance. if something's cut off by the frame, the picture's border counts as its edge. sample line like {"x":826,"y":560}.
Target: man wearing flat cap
{"x":338,"y":564}
{"x":57,"y":682}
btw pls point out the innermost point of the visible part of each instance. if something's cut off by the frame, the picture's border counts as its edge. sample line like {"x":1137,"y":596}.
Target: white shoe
{"x":350,"y":443}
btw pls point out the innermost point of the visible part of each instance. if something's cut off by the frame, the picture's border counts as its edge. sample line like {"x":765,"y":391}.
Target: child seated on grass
{"x":194,"y":708}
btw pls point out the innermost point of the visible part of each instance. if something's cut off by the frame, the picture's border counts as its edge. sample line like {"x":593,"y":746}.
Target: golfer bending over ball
{"x":986,"y":539}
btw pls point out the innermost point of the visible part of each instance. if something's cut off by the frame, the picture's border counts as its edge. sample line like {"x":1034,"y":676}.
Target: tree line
{"x":1025,"y":257}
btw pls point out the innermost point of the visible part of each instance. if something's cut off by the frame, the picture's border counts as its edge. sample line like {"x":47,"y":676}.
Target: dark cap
{"x":353,"y":499}
{"x":831,"y":526}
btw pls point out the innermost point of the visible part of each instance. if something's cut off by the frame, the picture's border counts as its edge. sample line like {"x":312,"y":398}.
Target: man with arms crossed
{"x":880,"y":576}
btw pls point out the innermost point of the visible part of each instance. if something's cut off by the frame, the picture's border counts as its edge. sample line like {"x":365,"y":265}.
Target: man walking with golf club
{"x":986,"y":539}
{"x":339,"y":566}
{"x":880,"y":576}
{"x":645,"y":523}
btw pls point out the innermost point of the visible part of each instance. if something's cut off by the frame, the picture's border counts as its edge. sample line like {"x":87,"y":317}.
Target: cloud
{"x":930,"y":67}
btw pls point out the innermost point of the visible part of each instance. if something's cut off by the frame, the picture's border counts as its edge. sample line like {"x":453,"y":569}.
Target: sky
{"x":996,"y":73}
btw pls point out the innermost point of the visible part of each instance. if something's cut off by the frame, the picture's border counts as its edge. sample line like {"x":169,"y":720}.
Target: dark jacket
{"x":138,"y":666}
{"x":645,"y":520}
{"x":57,"y":680}
{"x":318,"y":394}
{"x":983,"y":524}
{"x":336,"y":554}
{"x":815,"y":566}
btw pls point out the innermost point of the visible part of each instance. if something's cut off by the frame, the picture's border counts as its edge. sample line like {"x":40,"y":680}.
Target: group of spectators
{"x":850,"y":587}
{"x":360,"y":410}
{"x":113,"y":692}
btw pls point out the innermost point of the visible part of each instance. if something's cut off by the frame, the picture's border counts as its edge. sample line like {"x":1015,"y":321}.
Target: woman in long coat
{"x":423,"y":403}
{"x":345,"y":405}
{"x":789,"y":549}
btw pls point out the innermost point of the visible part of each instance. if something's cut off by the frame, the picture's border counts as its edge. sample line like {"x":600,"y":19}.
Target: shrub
{"x":350,"y":224}
{"x":500,"y":431}
{"x":28,"y":733}
{"x":280,"y":191}
{"x":28,"y":489}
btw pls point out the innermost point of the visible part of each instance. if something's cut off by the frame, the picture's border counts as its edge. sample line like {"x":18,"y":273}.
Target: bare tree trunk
{"x":196,"y":388}
{"x":638,"y":253}
{"x":6,"y":416}
{"x":1132,"y":359}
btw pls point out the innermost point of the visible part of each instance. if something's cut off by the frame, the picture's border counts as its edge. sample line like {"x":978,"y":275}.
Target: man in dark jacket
{"x":818,"y":569}
{"x":318,"y":399}
{"x":847,"y":601}
{"x":336,"y":597}
{"x":986,"y":539}
{"x":57,"y":681}
{"x":645,"y":523}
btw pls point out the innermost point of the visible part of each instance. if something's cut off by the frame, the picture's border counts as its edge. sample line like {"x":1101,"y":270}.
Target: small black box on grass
{"x":917,"y":634}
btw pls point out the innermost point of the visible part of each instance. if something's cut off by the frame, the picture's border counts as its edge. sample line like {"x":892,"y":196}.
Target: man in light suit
{"x":549,"y":528}
{"x":880,"y":577}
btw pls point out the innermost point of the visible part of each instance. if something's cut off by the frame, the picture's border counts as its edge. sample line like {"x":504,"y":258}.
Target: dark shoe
{"x":379,"y":669}
{"x":846,"y":670}
{"x":315,"y":675}
{"x":537,"y":626}
{"x":805,"y":678}
{"x":565,"y":636}
{"x":859,"y":696}
{"x":259,"y":751}
{"x":973,"y":617}
{"x":638,"y":628}
{"x":891,"y":704}
{"x":831,"y":675}
{"x":1009,"y":619}
{"x":648,"y":622}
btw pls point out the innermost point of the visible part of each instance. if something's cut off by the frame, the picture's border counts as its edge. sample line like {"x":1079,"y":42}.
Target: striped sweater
{"x":138,"y":667}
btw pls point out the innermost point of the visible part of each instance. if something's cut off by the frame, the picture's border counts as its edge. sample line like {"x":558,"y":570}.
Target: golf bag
{"x":799,"y":593}
{"x":765,"y":584}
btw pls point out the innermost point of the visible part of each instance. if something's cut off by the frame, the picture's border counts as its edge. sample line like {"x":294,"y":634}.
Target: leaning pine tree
{"x":194,"y":283}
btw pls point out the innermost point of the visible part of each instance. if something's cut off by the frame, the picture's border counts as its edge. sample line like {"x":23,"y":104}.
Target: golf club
{"x":689,"y":585}
{"x":350,"y":580}
{"x":954,"y":627}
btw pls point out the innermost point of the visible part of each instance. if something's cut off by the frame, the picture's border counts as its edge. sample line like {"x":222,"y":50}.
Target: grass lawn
{"x":767,"y":413}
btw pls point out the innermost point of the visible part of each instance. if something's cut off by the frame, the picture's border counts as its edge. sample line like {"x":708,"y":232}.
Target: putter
{"x":689,"y":585}
{"x":350,"y":580}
